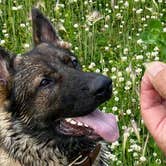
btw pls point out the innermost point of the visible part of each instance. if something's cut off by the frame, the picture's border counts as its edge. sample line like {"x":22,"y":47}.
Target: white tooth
{"x":80,"y":124}
{"x":86,"y":125}
{"x":73,"y":122}
{"x":68,"y":119}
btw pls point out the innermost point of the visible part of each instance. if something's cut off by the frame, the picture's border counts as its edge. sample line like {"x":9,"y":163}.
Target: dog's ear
{"x":5,"y":68}
{"x":43,"y":30}
{"x":5,"y":75}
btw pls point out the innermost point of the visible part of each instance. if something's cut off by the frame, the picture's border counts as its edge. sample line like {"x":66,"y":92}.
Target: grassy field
{"x":111,"y":37}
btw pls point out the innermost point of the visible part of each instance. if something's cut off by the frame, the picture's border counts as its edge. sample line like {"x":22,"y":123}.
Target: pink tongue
{"x":104,"y":124}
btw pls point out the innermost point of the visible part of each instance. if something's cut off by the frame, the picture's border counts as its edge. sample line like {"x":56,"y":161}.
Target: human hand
{"x":153,"y":101}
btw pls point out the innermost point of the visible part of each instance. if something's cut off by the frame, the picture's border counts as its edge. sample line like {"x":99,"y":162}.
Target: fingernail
{"x":153,"y":68}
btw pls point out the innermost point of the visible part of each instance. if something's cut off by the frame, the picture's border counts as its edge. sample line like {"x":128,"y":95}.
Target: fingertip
{"x":145,"y":82}
{"x":155,"y":75}
{"x":153,"y":68}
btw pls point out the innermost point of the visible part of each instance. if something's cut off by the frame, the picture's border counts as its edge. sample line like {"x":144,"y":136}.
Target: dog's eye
{"x":44,"y":82}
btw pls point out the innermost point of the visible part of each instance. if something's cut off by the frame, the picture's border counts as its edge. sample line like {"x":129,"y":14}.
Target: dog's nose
{"x":101,"y":87}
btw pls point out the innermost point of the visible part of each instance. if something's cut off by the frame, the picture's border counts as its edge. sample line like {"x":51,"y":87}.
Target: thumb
{"x":156,"y":72}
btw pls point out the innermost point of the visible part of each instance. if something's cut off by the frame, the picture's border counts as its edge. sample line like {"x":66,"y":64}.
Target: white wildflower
{"x":156,"y":58}
{"x":136,"y":147}
{"x":6,"y":35}
{"x":116,"y":7}
{"x":119,"y":74}
{"x":128,"y":69}
{"x":135,"y":154}
{"x":116,"y":98}
{"x":4,"y":31}
{"x":94,"y":16}
{"x":105,"y":70}
{"x":119,"y":16}
{"x":76,"y":25}
{"x":164,"y":29}
{"x":154,"y":154}
{"x":121,"y":79}
{"x":22,"y":25}
{"x":106,"y":48}
{"x":126,"y":51}
{"x":115,"y":108}
{"x":76,"y":48}
{"x":142,"y":159}
{"x":139,"y":11}
{"x":126,"y":87}
{"x":106,"y":26}
{"x":26,"y":45}
{"x":138,"y":70}
{"x":128,"y":111}
{"x":113,"y":77}
{"x":114,"y":144}
{"x":158,"y":161}
{"x":154,"y":53}
{"x":92,"y":65}
{"x":97,"y":70}
{"x":124,"y":58}
{"x":121,"y":26}
{"x":140,"y":41}
{"x":126,"y":4}
{"x":156,"y":48}
{"x":2,"y":41}
{"x":115,"y":92}
{"x":113,"y":69}
{"x":139,"y":57}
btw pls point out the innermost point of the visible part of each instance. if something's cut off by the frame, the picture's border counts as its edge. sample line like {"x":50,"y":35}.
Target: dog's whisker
{"x":73,"y":162}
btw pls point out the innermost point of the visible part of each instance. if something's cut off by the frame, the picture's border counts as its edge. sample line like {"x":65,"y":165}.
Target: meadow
{"x":113,"y":37}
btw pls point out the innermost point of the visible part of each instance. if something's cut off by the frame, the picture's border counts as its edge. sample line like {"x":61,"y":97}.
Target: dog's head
{"x":52,"y":97}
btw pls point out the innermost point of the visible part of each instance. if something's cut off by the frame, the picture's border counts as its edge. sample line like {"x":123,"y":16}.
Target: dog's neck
{"x":88,"y":159}
{"x":27,"y":150}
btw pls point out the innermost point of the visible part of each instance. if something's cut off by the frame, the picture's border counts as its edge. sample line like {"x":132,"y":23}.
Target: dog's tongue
{"x":104,"y":124}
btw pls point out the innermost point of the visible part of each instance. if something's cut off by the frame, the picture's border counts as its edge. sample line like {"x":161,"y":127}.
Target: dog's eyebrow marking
{"x":17,"y":60}
{"x":73,"y":58}
{"x":37,"y":80}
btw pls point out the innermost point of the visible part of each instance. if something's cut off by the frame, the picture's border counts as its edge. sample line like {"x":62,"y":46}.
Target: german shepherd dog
{"x":48,"y":106}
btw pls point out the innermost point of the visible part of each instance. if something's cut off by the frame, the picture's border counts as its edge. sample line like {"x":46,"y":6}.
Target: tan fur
{"x":3,"y":94}
{"x":5,"y":160}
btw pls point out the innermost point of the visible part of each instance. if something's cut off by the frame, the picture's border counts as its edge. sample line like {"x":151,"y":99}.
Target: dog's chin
{"x":95,"y":126}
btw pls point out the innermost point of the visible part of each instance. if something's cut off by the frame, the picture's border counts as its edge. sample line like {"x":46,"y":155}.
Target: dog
{"x":48,"y":106}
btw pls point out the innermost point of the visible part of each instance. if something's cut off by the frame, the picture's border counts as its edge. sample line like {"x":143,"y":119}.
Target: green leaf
{"x":155,"y":24}
{"x":163,"y":52}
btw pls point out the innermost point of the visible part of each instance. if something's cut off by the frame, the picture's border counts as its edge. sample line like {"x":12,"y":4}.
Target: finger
{"x":152,"y":109}
{"x":157,"y":74}
{"x":149,"y":96}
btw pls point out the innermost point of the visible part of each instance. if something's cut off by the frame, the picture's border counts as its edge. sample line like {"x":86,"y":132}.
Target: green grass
{"x":106,"y":38}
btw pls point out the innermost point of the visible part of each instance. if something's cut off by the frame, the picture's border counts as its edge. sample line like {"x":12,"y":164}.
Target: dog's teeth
{"x":80,"y":124}
{"x":86,"y":125}
{"x":68,"y":119}
{"x":73,"y":122}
